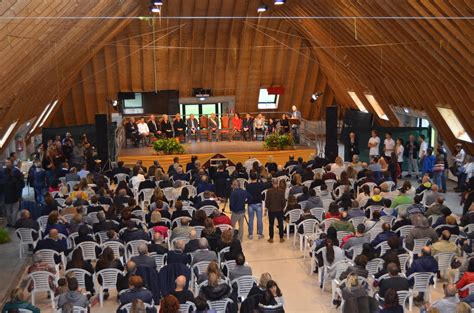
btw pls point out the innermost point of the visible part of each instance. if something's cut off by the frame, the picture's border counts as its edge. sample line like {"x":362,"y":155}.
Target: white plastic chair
{"x":383,"y":246}
{"x":185,"y":239}
{"x":191,"y":210}
{"x":388,"y":219}
{"x":338,"y":191}
{"x":418,"y":245}
{"x":26,"y":238}
{"x":209,"y":209}
{"x":60,"y":201}
{"x":198,"y":230}
{"x":131,"y":248}
{"x":244,"y":285}
{"x":80,"y":275}
{"x":355,"y":251}
{"x":140,"y":214}
{"x":220,"y":306}
{"x":71,"y":184}
{"x":356,"y":220}
{"x":169,"y":193}
{"x":146,"y":193}
{"x":309,"y":228}
{"x":121,"y":177}
{"x":342,"y":234}
{"x":404,"y":230}
{"x":242,"y":182}
{"x":177,"y":221}
{"x":224,"y":227}
{"x":339,"y":266}
{"x":421,"y":283}
{"x":42,"y":221}
{"x":101,"y":237}
{"x":40,"y":280}
{"x":187,"y":307}
{"x":128,"y":307}
{"x":469,"y":287}
{"x":469,"y":228}
{"x":404,"y":262}
{"x":191,"y":189}
{"x":374,"y":265}
{"x":318,"y":213}
{"x":370,"y":184}
{"x":115,"y":246}
{"x":444,"y":260}
{"x":88,"y":250}
{"x":48,"y":256}
{"x":109,"y":281}
{"x":326,"y":203}
{"x":196,"y":270}
{"x":374,"y":208}
{"x":330,"y":184}
{"x":293,"y":217}
{"x":92,"y":217}
{"x":325,"y":224}
{"x":160,"y":260}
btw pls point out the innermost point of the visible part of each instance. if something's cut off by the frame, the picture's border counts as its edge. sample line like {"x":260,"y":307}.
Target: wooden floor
{"x":235,"y":151}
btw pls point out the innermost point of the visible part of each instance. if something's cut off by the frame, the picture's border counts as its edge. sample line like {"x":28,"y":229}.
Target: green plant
{"x":168,"y":146}
{"x":4,"y":236}
{"x":277,"y":141}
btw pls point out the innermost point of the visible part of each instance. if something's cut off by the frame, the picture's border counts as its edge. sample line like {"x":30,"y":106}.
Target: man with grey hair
{"x":181,"y":231}
{"x":193,"y":243}
{"x":203,"y":253}
{"x":421,"y":230}
{"x":176,"y":254}
{"x":449,"y":302}
{"x":122,"y":280}
{"x":143,"y":259}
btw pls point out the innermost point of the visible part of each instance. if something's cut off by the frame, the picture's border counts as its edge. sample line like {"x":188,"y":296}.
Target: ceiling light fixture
{"x":262,"y":8}
{"x":156,"y":2}
{"x":280,"y":2}
{"x":155,"y":9}
{"x":315,"y":96}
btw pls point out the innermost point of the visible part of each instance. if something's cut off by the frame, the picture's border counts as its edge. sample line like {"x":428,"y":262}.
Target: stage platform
{"x":236,"y":151}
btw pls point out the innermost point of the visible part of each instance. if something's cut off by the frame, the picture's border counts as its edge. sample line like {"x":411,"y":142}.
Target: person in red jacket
{"x":236,"y":126}
{"x":466,"y":279}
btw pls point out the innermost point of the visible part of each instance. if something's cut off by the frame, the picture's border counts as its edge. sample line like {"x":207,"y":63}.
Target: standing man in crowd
{"x":423,"y":148}
{"x":374,"y":145}
{"x":295,"y":128}
{"x":411,"y":153}
{"x":275,"y":203}
{"x":459,"y":161}
{"x":389,"y":146}
{"x":255,"y":189}
{"x":238,"y":198}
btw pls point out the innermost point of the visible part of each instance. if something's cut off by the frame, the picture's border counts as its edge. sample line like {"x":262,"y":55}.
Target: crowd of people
{"x":89,"y":205}
{"x":246,"y":128}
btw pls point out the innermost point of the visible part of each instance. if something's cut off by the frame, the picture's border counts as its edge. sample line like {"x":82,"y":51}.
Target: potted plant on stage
{"x":168,"y":146}
{"x":279,"y":142}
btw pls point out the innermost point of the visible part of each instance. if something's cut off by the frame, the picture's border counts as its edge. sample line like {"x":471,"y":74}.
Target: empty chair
{"x":293,"y":217}
{"x":160,"y":260}
{"x":421,"y":283}
{"x":109,"y":281}
{"x":121,"y":177}
{"x":40,"y":281}
{"x":101,"y":237}
{"x":42,"y":221}
{"x":388,"y":219}
{"x":403,"y":259}
{"x":26,"y":236}
{"x":355,"y":251}
{"x":418,"y":244}
{"x":330,"y":183}
{"x":382,"y":247}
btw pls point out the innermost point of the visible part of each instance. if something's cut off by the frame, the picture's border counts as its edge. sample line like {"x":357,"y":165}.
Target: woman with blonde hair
{"x":259,"y":290}
{"x":297,"y":185}
{"x":338,"y":164}
{"x":271,"y":165}
{"x":166,"y":127}
{"x":18,"y":302}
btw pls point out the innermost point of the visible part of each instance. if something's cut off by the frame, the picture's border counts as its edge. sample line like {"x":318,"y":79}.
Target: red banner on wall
{"x":276,"y":90}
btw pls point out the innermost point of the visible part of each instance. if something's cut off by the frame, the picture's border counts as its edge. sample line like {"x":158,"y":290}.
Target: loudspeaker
{"x":102,"y":137}
{"x":331,"y":133}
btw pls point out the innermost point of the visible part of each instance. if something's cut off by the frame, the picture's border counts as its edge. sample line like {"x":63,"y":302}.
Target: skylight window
{"x":38,"y":120}
{"x":267,"y":101}
{"x":51,"y":108}
{"x":377,"y":108}
{"x":7,"y":134}
{"x":454,"y":124}
{"x":357,"y":101}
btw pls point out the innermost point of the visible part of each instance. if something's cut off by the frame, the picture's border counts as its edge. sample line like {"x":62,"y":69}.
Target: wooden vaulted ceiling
{"x":418,"y":62}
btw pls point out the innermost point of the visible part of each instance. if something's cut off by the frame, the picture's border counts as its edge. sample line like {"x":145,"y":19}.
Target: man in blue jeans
{"x":255,"y":189}
{"x":238,"y":198}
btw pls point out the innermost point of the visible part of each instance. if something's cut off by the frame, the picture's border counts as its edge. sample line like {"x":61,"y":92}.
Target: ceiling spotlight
{"x":156,"y":2}
{"x":202,"y":99}
{"x":280,"y":2}
{"x":114,"y":103}
{"x":262,"y":8}
{"x":406,"y":110}
{"x":155,"y":9}
{"x":315,"y":96}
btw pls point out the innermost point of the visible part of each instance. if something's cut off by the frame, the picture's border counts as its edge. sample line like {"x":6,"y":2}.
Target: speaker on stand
{"x":102,"y":140}
{"x":331,"y":149}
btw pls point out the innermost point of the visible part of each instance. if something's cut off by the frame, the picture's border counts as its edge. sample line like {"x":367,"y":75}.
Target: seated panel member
{"x":154,"y":127}
{"x":192,"y":128}
{"x":213,"y":126}
{"x":179,"y":126}
{"x":166,"y":127}
{"x":247,"y":127}
{"x":143,"y":129}
{"x":131,"y":131}
{"x":284,"y":124}
{"x":236,"y":126}
{"x":259,"y":124}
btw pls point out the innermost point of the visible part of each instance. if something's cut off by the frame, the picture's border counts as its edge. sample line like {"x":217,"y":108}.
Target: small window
{"x":133,"y":106}
{"x":454,"y":124}
{"x":38,"y":120}
{"x":7,"y":134}
{"x":357,"y":101}
{"x":266,"y":101}
{"x":376,"y":106}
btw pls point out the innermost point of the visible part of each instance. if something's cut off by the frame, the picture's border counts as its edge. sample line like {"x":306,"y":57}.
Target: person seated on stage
{"x":259,"y":124}
{"x":247,"y":127}
{"x":236,"y":126}
{"x":179,"y":126}
{"x":154,"y":127}
{"x":192,"y":128}
{"x":213,"y":126}
{"x":284,"y":124}
{"x":271,"y":126}
{"x":131,"y":131}
{"x":166,"y":127}
{"x":143,"y":130}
